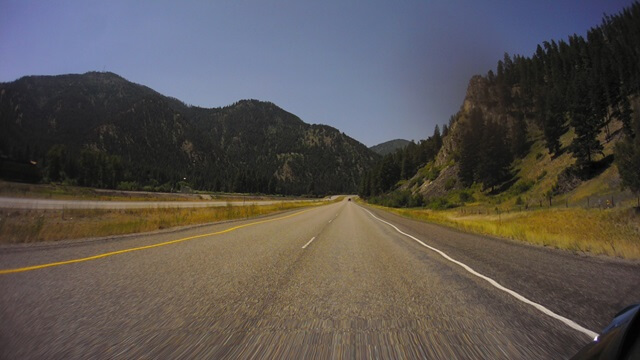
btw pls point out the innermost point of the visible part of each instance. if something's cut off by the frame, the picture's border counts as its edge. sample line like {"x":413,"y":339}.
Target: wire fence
{"x":621,"y":199}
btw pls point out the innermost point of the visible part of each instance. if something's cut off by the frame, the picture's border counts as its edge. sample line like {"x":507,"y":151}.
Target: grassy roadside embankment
{"x":70,"y":192}
{"x":611,"y":232}
{"x":22,"y":226}
{"x":593,"y":216}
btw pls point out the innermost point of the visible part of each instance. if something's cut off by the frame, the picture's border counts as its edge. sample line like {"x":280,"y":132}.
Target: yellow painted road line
{"x":100,"y":256}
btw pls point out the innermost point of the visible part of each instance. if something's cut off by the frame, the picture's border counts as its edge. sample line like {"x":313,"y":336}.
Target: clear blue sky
{"x":376,"y":70}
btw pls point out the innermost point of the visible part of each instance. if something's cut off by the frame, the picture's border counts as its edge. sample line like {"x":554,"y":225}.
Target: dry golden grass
{"x":599,"y":185}
{"x":543,"y":169}
{"x":50,"y":225}
{"x":70,"y":192}
{"x":540,"y":167}
{"x":612,"y":232}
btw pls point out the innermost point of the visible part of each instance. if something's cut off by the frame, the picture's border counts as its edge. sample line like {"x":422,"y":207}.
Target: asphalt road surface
{"x":52,"y":204}
{"x":329,"y":282}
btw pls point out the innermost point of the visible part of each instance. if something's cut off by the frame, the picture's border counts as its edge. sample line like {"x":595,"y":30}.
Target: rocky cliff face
{"x":480,"y":94}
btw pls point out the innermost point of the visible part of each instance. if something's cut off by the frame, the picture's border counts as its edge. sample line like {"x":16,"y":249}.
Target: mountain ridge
{"x":390,"y":146}
{"x":159,"y":141}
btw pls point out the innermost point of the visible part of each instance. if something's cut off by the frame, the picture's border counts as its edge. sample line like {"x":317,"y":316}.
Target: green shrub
{"x":522,"y":186}
{"x":398,"y":199}
{"x":449,"y":184}
{"x":429,"y":172}
{"x":166,"y":187}
{"x":128,"y":185}
{"x":70,"y":182}
{"x":433,"y":173}
{"x":465,"y":197}
{"x":440,"y":203}
{"x":417,"y":201}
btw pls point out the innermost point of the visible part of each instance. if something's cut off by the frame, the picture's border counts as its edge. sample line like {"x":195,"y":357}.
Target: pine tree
{"x":437,"y":138}
{"x":627,"y":155}
{"x":445,"y":130}
{"x":495,"y":157}
{"x":518,"y":136}
{"x":585,"y":123}
{"x":311,"y":188}
{"x":375,"y":181}
{"x":624,"y":112}
{"x":405,"y":166}
{"x":553,"y":120}
{"x":56,"y":157}
{"x":389,"y":173}
{"x":364,"y":190}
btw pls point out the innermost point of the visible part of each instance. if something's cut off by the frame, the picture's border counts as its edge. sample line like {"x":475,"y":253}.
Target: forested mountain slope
{"x":546,"y":125}
{"x":98,"y":129}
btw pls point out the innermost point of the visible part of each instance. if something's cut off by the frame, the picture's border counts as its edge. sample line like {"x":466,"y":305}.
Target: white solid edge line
{"x":313,"y":238}
{"x":541,"y":308}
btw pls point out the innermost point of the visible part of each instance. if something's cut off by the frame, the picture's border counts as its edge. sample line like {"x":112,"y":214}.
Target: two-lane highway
{"x":329,"y":282}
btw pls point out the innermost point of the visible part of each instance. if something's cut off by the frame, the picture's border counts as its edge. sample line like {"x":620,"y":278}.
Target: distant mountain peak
{"x":390,"y":146}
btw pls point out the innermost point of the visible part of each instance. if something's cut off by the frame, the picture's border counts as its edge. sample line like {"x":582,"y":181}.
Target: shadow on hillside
{"x":504,"y":186}
{"x":598,"y":167}
{"x":559,"y":153}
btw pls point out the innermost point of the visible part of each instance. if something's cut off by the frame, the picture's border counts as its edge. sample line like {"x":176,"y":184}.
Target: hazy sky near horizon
{"x":376,"y":70}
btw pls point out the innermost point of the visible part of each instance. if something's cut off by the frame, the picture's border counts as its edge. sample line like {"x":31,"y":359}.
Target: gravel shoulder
{"x":588,"y":289}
